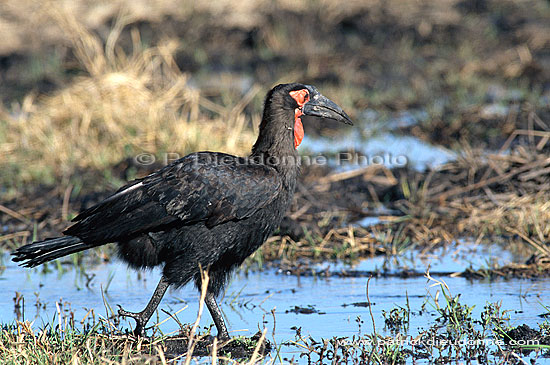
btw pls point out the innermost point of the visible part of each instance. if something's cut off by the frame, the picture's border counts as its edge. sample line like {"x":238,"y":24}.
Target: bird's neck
{"x":275,"y":144}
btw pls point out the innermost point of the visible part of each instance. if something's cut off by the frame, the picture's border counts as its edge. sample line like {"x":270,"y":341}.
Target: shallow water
{"x":373,"y":139}
{"x":251,"y":296}
{"x":387,"y":149}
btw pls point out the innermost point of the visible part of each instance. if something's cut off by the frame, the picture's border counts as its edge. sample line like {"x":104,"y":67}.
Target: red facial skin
{"x":301,"y":97}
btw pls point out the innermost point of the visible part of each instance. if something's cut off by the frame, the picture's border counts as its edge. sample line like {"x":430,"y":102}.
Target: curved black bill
{"x":322,"y":107}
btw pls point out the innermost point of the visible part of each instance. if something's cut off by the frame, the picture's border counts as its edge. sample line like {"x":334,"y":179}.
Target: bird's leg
{"x":143,"y":317}
{"x":216,"y":314}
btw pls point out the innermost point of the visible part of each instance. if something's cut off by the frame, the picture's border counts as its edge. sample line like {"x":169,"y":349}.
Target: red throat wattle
{"x":298,"y":128}
{"x":301,"y":97}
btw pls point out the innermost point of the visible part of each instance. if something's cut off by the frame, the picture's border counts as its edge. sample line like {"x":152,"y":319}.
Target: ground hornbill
{"x":207,"y":209}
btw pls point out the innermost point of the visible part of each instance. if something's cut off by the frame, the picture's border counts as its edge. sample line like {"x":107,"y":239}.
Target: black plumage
{"x":208,"y":209}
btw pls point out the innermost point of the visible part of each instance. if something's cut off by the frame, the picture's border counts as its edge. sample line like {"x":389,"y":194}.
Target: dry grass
{"x":137,"y":100}
{"x":490,"y":195}
{"x":124,"y":104}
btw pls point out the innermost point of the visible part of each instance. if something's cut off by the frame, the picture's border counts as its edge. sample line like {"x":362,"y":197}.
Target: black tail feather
{"x":37,"y":253}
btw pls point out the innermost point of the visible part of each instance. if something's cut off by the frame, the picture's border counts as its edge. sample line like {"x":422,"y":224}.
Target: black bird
{"x":207,"y":209}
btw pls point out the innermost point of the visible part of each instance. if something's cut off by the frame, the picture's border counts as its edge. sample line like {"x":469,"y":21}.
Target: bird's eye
{"x":301,"y":96}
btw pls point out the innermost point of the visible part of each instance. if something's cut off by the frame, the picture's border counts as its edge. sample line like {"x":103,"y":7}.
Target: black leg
{"x":143,"y":317}
{"x":216,"y":314}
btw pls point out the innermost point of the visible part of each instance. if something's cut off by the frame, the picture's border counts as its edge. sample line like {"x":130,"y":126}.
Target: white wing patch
{"x":123,"y":192}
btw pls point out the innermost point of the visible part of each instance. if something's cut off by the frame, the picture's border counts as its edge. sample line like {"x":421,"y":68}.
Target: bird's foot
{"x":139,"y":331}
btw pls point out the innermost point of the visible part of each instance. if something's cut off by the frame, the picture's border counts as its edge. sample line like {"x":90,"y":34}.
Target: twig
{"x":532,"y":174}
{"x":518,"y":358}
{"x":65,"y":206}
{"x":215,"y":351}
{"x":14,"y":214}
{"x":161,"y":354}
{"x":522,"y":132}
{"x":442,"y":197}
{"x":173,"y":316}
{"x":14,"y":235}
{"x":191,"y":344}
{"x":257,"y":349}
{"x":368,"y":171}
{"x":539,"y":248}
{"x":370,"y":310}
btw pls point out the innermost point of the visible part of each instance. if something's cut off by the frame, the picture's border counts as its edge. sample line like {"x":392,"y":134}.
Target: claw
{"x":124,"y":313}
{"x":143,"y":317}
{"x":139,"y":331}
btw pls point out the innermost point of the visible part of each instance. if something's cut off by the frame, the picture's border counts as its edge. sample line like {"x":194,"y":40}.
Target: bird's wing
{"x":205,"y":186}
{"x":214,"y":187}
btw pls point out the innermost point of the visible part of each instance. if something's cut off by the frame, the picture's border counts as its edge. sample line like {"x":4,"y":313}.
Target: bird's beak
{"x":322,"y":107}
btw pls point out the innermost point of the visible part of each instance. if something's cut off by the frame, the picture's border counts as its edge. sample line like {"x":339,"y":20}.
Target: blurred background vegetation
{"x":86,"y":84}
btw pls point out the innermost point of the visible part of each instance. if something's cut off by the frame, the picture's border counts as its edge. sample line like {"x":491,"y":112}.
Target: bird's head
{"x":310,"y":102}
{"x":287,"y":103}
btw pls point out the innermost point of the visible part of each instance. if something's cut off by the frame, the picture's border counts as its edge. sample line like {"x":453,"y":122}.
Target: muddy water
{"x":251,"y":296}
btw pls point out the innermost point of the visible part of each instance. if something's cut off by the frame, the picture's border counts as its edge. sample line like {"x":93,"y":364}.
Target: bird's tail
{"x":37,"y":253}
